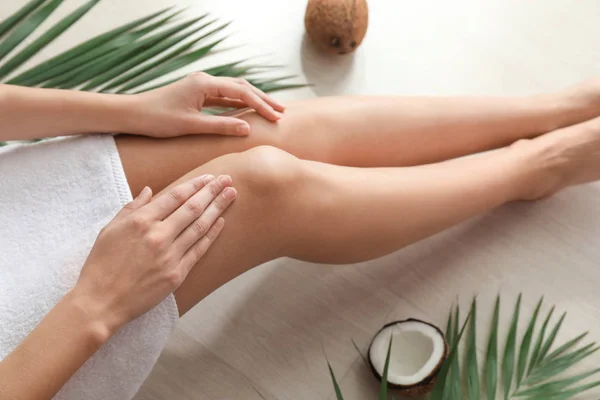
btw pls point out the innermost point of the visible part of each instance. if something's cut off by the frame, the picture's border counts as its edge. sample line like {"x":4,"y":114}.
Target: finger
{"x":277,"y":106}
{"x":202,"y":224}
{"x":236,"y":91}
{"x":141,"y":200}
{"x":223,"y":102}
{"x":268,"y":99}
{"x":200,"y":247}
{"x":222,"y":125}
{"x":164,"y":205}
{"x":195,"y":207}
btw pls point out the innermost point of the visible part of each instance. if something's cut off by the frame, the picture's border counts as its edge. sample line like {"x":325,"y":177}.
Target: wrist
{"x":120,"y":114}
{"x":98,"y":320}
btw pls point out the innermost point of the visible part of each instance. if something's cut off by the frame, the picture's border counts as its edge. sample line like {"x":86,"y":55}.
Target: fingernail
{"x":229,"y":193}
{"x":145,"y":191}
{"x":225,"y":179}
{"x":219,"y":223}
{"x":243,"y":130}
{"x":208,"y":178}
{"x":200,"y":179}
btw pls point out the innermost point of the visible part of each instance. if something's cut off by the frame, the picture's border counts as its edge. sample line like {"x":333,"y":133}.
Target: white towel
{"x":55,"y":196}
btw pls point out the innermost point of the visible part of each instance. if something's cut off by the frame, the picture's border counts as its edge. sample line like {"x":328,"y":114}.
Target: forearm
{"x":30,"y":113}
{"x":69,"y":335}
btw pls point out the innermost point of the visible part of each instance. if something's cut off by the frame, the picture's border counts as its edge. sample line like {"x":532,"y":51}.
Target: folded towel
{"x":55,"y":196}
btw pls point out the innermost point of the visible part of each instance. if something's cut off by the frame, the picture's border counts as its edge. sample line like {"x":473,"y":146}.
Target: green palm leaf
{"x":562,"y":349}
{"x":538,"y":344}
{"x":116,"y":59}
{"x":124,"y":58}
{"x":151,"y":65}
{"x":18,"y":16}
{"x":455,"y":391}
{"x":269,"y":88}
{"x":383,"y":387}
{"x":26,"y":27}
{"x":46,"y":38}
{"x":99,"y":44}
{"x":336,"y":386}
{"x":555,"y":386}
{"x":526,"y":343}
{"x":450,"y":329}
{"x":472,"y":368}
{"x":174,"y":64}
{"x":120,"y":48}
{"x":140,"y":58}
{"x":491,"y":362}
{"x":508,"y":361}
{"x":539,"y":375}
{"x":550,"y":340}
{"x":439,"y":391}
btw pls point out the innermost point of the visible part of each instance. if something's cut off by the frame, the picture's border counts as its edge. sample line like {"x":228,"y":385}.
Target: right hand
{"x":148,"y":249}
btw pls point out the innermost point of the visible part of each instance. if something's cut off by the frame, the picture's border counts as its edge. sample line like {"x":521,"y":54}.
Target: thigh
{"x":310,"y":130}
{"x":159,"y":162}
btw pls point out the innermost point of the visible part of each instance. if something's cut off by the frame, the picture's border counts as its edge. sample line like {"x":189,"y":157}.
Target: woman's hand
{"x":146,"y":252}
{"x":141,"y":257}
{"x":174,"y":110}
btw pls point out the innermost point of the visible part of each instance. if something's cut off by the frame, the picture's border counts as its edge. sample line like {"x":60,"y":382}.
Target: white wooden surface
{"x":267,"y":330}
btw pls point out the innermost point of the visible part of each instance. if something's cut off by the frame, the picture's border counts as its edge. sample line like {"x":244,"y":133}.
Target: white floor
{"x":267,"y":330}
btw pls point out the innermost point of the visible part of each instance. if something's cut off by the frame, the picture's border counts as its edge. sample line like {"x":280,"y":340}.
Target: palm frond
{"x":491,"y":361}
{"x":508,"y":361}
{"x":109,"y":62}
{"x":171,"y":65}
{"x":26,"y":27}
{"x":538,"y":344}
{"x":140,"y":69}
{"x":124,"y":59}
{"x":454,"y":388}
{"x":101,"y":44}
{"x":472,"y":367}
{"x":18,"y":16}
{"x":336,"y":386}
{"x":526,"y":343}
{"x":383,"y":387}
{"x":538,"y":374}
{"x":439,"y":391}
{"x":46,"y":38}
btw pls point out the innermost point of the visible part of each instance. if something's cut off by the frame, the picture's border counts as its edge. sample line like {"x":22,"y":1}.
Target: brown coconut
{"x":336,"y":26}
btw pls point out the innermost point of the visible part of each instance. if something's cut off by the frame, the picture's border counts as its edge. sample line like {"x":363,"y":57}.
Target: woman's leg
{"x":370,"y":131}
{"x":332,"y":214}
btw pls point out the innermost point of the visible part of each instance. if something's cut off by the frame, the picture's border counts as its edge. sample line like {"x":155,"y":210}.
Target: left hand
{"x":175,"y":109}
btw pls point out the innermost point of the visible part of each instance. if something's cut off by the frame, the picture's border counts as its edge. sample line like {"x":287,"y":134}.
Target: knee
{"x":268,"y":170}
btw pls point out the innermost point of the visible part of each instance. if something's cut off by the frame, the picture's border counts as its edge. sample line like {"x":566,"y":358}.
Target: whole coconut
{"x":337,"y":26}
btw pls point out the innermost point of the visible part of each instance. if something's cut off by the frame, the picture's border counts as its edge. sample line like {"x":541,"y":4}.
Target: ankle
{"x":540,"y":168}
{"x":578,"y":103}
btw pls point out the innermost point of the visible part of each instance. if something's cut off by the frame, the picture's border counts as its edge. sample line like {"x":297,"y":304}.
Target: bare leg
{"x":370,"y":131}
{"x":332,"y":214}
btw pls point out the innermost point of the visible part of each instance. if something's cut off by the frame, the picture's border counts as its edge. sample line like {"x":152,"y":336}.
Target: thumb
{"x":141,"y":200}
{"x":221,"y":125}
